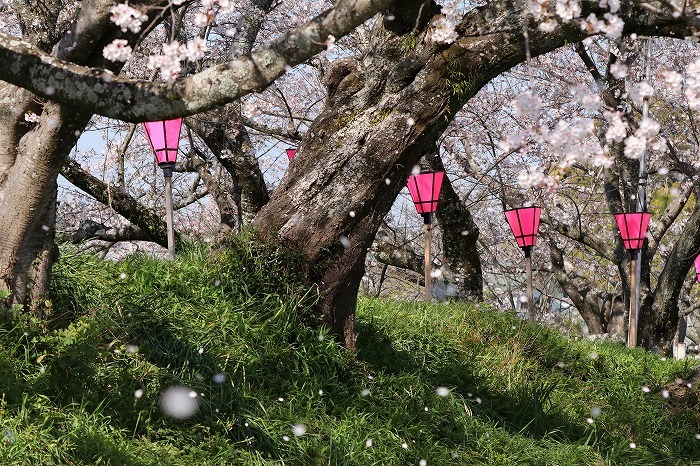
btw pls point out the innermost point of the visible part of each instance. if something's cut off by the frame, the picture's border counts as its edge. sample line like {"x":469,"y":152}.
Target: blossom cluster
{"x":536,"y":179}
{"x":173,"y":53}
{"x":645,"y":137}
{"x":611,"y":25}
{"x":211,"y":9}
{"x":127,"y":18}
{"x":619,"y":70}
{"x":118,"y":50}
{"x":617,"y":129}
{"x":692,"y":90}
{"x":640,"y":91}
{"x":443,"y":30}
{"x":567,"y":10}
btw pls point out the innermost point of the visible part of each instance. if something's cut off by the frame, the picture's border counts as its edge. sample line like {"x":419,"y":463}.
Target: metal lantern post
{"x":425,"y":192}
{"x":291,"y":152}
{"x":525,"y":223}
{"x":633,"y":230}
{"x":164,"y":138}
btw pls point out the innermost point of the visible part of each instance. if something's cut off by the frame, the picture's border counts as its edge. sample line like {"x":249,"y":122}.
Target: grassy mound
{"x":444,"y":384}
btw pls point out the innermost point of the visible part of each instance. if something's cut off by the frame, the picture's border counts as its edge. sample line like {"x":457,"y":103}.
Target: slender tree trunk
{"x":228,"y":139}
{"x":579,"y":291}
{"x":460,"y":235}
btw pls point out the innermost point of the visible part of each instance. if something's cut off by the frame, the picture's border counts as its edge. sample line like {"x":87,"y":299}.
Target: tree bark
{"x":31,"y":165}
{"x":459,"y":239}
{"x":658,"y":319}
{"x":383,"y":112}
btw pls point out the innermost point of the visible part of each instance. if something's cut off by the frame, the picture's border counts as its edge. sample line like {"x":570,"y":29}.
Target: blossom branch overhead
{"x":135,"y":100}
{"x":103,"y":93}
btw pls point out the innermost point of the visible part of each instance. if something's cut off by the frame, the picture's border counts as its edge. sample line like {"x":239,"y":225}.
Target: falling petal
{"x":178,"y":402}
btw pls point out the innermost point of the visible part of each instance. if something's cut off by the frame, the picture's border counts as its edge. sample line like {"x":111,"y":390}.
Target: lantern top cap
{"x":523,"y":208}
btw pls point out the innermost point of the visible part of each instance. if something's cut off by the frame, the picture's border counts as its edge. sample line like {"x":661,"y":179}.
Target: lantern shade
{"x":291,"y":152}
{"x":633,"y":228}
{"x":697,"y":267}
{"x":525,"y":223}
{"x":425,"y":191}
{"x":164,"y":138}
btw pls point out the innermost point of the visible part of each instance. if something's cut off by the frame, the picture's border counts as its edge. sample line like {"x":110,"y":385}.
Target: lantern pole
{"x":168,"y":176}
{"x":427,"y":218}
{"x":636,"y":264}
{"x":528,"y":273}
{"x":634,"y":301}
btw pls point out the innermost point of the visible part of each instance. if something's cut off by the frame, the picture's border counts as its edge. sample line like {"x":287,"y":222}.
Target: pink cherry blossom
{"x":118,"y":50}
{"x":127,"y":18}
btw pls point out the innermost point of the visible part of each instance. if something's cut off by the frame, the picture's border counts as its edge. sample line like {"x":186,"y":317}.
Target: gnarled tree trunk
{"x":383,"y":112}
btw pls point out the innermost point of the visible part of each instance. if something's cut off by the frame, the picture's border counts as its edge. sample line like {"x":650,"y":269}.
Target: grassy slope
{"x":518,"y":394}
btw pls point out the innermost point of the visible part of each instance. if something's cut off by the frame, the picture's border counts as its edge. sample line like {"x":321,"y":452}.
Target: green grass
{"x":518,"y":394}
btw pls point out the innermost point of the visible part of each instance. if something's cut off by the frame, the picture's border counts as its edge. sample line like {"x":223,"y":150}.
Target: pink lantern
{"x":525,"y":223}
{"x":633,"y":228}
{"x":697,"y":267}
{"x":164,"y":138}
{"x":425,"y":191}
{"x":291,"y":152}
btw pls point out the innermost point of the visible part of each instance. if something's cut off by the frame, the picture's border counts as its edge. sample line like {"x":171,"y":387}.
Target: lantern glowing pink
{"x":164,"y":138}
{"x":697,"y":267}
{"x":291,"y":152}
{"x":425,"y":192}
{"x":525,"y":223}
{"x":633,"y":229}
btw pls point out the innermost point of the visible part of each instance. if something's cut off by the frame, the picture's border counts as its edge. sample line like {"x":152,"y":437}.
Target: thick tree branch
{"x":104,"y":93}
{"x":388,"y":253}
{"x":152,"y":225}
{"x":669,"y":215}
{"x":91,"y":230}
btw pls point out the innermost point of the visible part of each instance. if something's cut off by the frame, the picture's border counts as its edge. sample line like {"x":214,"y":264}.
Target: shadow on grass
{"x":526,"y":410}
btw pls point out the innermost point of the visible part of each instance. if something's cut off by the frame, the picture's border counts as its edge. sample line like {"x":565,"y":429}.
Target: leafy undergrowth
{"x":444,"y":384}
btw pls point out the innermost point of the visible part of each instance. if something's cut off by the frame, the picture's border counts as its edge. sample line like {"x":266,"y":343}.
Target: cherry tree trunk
{"x":32,"y":153}
{"x":459,"y":239}
{"x":658,"y":313}
{"x":383,"y":112}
